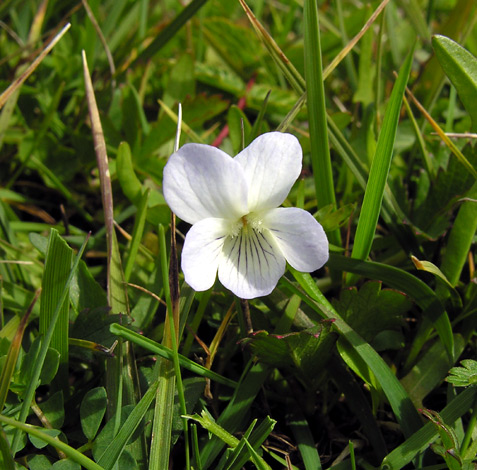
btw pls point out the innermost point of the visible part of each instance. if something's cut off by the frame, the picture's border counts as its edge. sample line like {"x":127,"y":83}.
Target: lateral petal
{"x":251,"y":264}
{"x":201,"y":181}
{"x":272,"y":163}
{"x":202,"y":252}
{"x":300,"y":237}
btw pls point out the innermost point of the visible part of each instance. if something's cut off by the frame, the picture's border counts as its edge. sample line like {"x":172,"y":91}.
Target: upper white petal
{"x":272,"y":163}
{"x":251,"y":264}
{"x":300,"y":237}
{"x":202,"y":252}
{"x":201,"y":181}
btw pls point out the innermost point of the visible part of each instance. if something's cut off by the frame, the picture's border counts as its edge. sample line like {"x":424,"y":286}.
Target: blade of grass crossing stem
{"x":379,"y":170}
{"x":320,"y":151}
{"x":167,"y":353}
{"x":112,"y":453}
{"x":13,"y":352}
{"x":232,"y":418}
{"x":30,"y":391}
{"x":421,"y":439}
{"x":400,"y":402}
{"x":39,"y":433}
{"x":421,"y":293}
{"x":169,"y":31}
{"x":57,"y":267}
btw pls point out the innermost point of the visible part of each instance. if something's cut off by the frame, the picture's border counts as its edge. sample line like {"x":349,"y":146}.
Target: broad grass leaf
{"x":430,"y":370}
{"x":461,"y":68}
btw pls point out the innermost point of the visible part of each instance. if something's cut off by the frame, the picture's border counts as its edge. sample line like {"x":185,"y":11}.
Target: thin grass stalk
{"x":320,"y":151}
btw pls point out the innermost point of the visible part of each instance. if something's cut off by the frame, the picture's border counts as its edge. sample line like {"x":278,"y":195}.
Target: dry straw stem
{"x":101,"y":155}
{"x":452,"y":147}
{"x":18,"y":82}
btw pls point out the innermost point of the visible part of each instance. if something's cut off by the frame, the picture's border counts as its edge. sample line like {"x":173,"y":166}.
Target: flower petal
{"x":251,"y":264}
{"x":300,"y":237}
{"x":201,"y":181}
{"x":202,"y":251}
{"x":272,"y":163}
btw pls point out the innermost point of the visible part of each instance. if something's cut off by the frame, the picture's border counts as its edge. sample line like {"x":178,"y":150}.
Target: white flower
{"x":238,"y":230}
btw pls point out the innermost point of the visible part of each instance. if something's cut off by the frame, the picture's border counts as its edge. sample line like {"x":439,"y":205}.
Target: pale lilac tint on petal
{"x":202,"y":252}
{"x":300,"y":237}
{"x":272,"y":163}
{"x":201,"y":181}
{"x":251,"y":264}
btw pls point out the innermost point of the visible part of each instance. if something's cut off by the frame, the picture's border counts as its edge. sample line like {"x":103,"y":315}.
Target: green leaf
{"x":40,"y":443}
{"x":397,"y":396}
{"x":92,"y":410}
{"x":463,"y":376}
{"x":305,"y":352}
{"x":66,"y":464}
{"x":39,"y":462}
{"x":371,"y":310}
{"x":461,"y":68}
{"x":420,"y":440}
{"x":54,"y":410}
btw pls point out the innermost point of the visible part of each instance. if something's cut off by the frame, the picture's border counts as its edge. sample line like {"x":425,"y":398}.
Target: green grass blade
{"x":401,"y":280}
{"x":30,"y":392}
{"x":167,"y":353}
{"x":320,"y":151}
{"x":13,"y":352}
{"x":69,"y":451}
{"x":114,"y":450}
{"x":460,"y":238}
{"x":420,"y":440}
{"x":162,"y":424}
{"x":398,"y":399}
{"x":57,"y":267}
{"x":305,"y":441}
{"x":379,"y":169}
{"x":137,"y":234}
{"x":169,"y":31}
